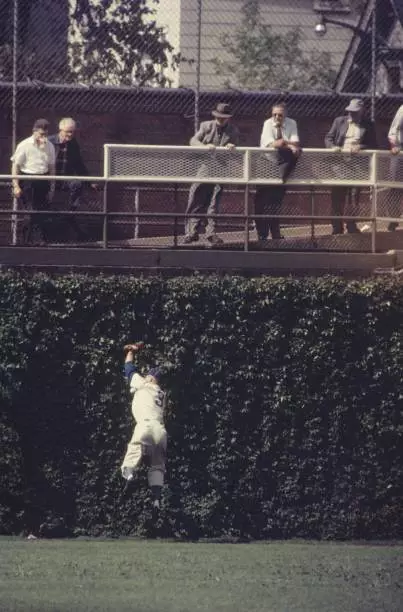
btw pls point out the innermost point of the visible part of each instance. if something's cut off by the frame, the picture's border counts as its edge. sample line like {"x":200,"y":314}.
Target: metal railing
{"x":173,"y":169}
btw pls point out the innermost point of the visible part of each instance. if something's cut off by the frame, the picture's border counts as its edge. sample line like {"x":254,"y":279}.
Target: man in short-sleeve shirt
{"x":281,"y":134}
{"x":35,"y":156}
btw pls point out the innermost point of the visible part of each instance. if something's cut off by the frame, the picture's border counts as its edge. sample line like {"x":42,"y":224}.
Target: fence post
{"x":14,"y":218}
{"x":137,"y":210}
{"x":105,"y":197}
{"x":198,"y":60}
{"x":374,"y":188}
{"x":175,"y":218}
{"x":246,"y":175}
{"x":373,"y":60}
{"x":313,"y":239}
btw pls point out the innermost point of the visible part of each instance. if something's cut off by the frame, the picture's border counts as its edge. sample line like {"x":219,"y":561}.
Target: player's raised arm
{"x":130,"y":368}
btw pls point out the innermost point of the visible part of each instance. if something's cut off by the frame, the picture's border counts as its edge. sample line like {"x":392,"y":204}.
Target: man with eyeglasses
{"x":281,"y":134}
{"x":69,"y":162}
{"x":35,"y":156}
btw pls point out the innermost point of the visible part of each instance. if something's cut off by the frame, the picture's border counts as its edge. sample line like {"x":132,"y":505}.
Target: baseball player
{"x":149,"y":438}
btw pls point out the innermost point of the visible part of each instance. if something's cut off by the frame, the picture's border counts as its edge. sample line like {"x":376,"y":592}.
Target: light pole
{"x":14,"y":218}
{"x":198,"y":66}
{"x":379,"y":46}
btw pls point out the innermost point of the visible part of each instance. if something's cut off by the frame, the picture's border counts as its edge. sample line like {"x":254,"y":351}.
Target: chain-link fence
{"x":352,"y":46}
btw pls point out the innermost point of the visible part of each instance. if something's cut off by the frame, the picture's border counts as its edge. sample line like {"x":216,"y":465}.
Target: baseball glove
{"x":135,"y":346}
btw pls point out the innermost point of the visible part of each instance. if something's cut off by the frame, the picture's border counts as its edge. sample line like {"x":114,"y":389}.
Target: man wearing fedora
{"x":204,"y":197}
{"x":350,"y":133}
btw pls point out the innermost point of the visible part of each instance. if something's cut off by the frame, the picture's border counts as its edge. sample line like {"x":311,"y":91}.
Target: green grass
{"x":163,"y":576}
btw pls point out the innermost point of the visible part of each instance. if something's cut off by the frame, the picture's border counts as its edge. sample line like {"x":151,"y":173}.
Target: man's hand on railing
{"x":212,"y":147}
{"x":294,"y":148}
{"x":336,"y":149}
{"x":230,"y":146}
{"x":395,"y":150}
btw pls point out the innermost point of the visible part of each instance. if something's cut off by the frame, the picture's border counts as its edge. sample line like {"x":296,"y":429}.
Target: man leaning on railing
{"x":281,"y":134}
{"x":205,"y":197}
{"x":349,"y":133}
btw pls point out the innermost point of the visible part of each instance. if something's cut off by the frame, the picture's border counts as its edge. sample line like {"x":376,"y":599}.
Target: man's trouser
{"x":268,"y":200}
{"x":203,"y":198}
{"x":35,"y":193}
{"x":339,"y":196}
{"x":149,"y":441}
{"x":74,"y":189}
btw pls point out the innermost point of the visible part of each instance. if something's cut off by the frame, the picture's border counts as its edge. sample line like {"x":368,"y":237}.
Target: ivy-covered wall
{"x":284,"y":419}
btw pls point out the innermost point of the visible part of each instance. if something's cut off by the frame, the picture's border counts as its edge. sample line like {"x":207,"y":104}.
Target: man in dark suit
{"x":70,"y":163}
{"x":351,"y":133}
{"x":204,"y":197}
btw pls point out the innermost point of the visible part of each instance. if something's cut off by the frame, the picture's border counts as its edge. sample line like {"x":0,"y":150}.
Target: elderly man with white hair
{"x":69,"y":162}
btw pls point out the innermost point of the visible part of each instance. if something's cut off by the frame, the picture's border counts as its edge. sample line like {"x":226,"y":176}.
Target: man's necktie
{"x":217,"y":137}
{"x":279,"y":132}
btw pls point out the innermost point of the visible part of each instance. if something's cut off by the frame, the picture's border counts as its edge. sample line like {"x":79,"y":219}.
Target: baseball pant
{"x":149,"y":441}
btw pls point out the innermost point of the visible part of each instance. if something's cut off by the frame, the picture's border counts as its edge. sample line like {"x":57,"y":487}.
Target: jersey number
{"x":159,"y":400}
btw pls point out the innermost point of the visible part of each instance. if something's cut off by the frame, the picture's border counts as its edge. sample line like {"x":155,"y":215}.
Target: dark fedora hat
{"x":222,"y":111}
{"x":356,"y":105}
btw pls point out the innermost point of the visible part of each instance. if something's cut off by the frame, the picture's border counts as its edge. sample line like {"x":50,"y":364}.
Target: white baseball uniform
{"x":149,"y":437}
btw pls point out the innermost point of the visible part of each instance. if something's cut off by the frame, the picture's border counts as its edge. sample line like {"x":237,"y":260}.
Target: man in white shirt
{"x":281,"y":134}
{"x":35,"y":156}
{"x":149,"y":440}
{"x":395,"y":137}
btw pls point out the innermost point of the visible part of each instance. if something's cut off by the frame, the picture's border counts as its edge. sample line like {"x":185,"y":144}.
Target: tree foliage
{"x":120,"y":43}
{"x":41,"y":40}
{"x":91,"y":41}
{"x":258,"y":58}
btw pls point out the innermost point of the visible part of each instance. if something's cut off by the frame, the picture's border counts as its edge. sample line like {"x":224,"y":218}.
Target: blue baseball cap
{"x":155,"y":372}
